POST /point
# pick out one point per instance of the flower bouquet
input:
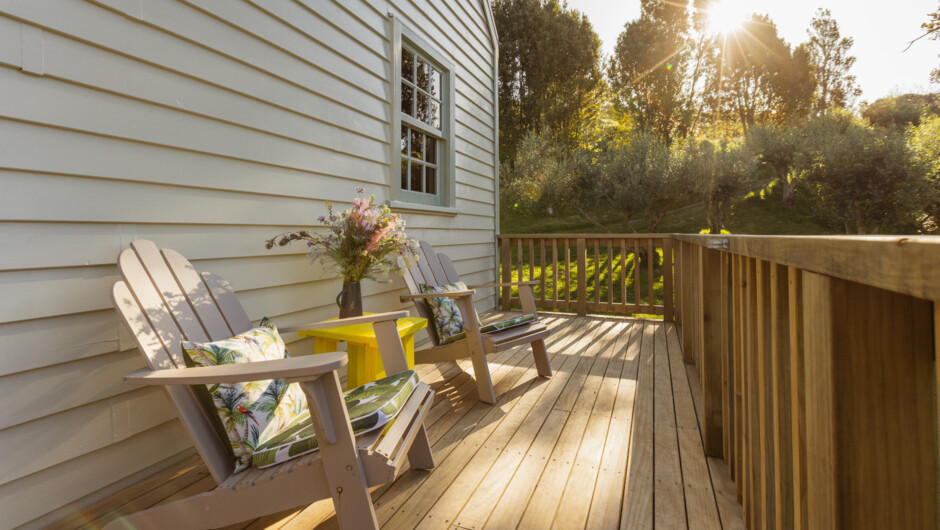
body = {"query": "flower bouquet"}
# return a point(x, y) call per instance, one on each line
point(363, 242)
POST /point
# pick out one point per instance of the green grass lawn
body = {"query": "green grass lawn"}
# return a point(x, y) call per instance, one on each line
point(758, 213)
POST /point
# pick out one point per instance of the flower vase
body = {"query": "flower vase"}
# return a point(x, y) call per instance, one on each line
point(349, 300)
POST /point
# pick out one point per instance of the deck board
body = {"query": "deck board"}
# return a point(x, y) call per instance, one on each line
point(612, 439)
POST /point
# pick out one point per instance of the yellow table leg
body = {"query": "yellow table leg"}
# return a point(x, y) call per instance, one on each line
point(321, 345)
point(358, 370)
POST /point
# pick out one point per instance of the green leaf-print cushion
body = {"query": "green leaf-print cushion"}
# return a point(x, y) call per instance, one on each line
point(371, 406)
point(447, 319)
point(249, 409)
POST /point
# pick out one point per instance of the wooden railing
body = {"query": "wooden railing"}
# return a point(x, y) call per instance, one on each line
point(600, 273)
point(817, 357)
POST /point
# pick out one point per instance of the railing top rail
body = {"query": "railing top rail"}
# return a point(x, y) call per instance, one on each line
point(630, 235)
point(904, 264)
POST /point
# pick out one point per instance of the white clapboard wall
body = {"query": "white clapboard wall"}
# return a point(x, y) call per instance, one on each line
point(206, 126)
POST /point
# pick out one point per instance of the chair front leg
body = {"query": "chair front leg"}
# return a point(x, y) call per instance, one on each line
point(527, 299)
point(481, 370)
point(341, 465)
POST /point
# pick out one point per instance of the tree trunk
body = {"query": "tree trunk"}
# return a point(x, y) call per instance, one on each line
point(584, 215)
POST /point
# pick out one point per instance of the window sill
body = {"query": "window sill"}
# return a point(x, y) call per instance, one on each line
point(400, 206)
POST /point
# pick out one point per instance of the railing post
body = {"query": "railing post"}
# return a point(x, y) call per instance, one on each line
point(582, 278)
point(709, 350)
point(506, 274)
point(870, 442)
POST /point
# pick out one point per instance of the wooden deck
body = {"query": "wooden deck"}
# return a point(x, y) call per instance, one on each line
point(612, 440)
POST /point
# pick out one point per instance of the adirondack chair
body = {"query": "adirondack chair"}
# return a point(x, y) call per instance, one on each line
point(164, 301)
point(433, 268)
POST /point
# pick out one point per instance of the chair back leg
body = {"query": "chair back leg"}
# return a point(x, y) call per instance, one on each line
point(481, 370)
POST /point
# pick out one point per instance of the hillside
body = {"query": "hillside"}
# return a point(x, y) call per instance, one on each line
point(750, 215)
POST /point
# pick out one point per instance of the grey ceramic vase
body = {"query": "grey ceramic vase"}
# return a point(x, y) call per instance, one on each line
point(349, 300)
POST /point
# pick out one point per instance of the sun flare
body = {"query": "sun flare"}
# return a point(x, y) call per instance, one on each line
point(726, 16)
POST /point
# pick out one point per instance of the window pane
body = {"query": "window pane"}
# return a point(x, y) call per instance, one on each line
point(435, 83)
point(404, 140)
point(423, 112)
point(435, 115)
point(407, 99)
point(430, 180)
point(416, 177)
point(404, 174)
point(417, 145)
point(430, 150)
point(407, 65)
point(424, 74)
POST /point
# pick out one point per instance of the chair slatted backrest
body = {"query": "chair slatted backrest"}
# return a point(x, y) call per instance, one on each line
point(163, 300)
point(430, 269)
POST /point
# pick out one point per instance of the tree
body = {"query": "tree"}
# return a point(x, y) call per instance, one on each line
point(549, 72)
point(866, 178)
point(932, 30)
point(642, 176)
point(544, 176)
point(900, 111)
point(781, 149)
point(658, 67)
point(721, 171)
point(648, 67)
point(829, 56)
point(924, 144)
point(757, 78)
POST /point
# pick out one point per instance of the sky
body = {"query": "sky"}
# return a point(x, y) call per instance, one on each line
point(881, 29)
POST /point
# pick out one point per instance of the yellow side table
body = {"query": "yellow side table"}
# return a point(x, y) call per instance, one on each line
point(365, 363)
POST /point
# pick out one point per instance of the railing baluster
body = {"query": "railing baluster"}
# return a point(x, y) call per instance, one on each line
point(531, 260)
point(668, 283)
point(798, 397)
point(555, 273)
point(520, 265)
point(542, 265)
point(623, 274)
point(506, 274)
point(651, 261)
point(780, 391)
point(636, 275)
point(582, 277)
point(597, 271)
point(610, 276)
point(567, 274)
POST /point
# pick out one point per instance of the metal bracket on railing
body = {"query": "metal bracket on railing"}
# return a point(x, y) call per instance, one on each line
point(719, 243)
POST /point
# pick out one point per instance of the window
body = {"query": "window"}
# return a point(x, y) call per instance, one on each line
point(423, 117)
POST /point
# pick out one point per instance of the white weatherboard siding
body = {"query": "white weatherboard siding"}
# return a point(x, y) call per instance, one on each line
point(206, 126)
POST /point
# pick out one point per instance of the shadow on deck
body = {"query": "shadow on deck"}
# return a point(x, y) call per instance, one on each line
point(612, 440)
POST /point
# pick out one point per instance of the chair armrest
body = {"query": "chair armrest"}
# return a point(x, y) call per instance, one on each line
point(306, 367)
point(503, 284)
point(448, 294)
point(365, 319)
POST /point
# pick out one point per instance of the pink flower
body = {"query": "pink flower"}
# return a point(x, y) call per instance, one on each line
point(377, 238)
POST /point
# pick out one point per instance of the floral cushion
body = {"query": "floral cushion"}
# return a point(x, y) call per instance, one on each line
point(249, 409)
point(371, 406)
point(447, 319)
point(508, 323)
